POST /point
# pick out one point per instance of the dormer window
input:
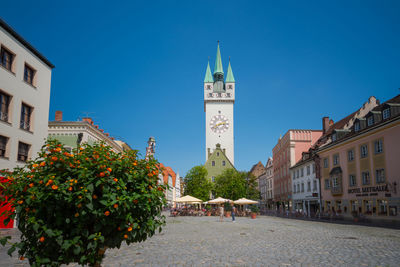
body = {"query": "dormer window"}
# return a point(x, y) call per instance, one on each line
point(386, 113)
point(357, 126)
point(334, 137)
point(230, 86)
point(208, 87)
point(370, 120)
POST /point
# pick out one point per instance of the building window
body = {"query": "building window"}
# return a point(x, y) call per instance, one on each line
point(334, 137)
point(6, 58)
point(302, 172)
point(364, 151)
point(357, 126)
point(4, 104)
point(298, 188)
point(352, 180)
point(368, 206)
point(327, 184)
point(313, 168)
point(26, 112)
point(308, 186)
point(223, 163)
point(380, 176)
point(378, 146)
point(308, 170)
point(382, 207)
point(325, 162)
point(302, 187)
point(350, 155)
point(294, 188)
point(23, 151)
point(213, 163)
point(28, 74)
point(209, 87)
point(217, 154)
point(229, 86)
point(315, 185)
point(354, 205)
point(370, 120)
point(213, 179)
point(294, 175)
point(386, 113)
point(210, 95)
point(335, 182)
point(335, 159)
point(3, 146)
point(365, 178)
point(297, 173)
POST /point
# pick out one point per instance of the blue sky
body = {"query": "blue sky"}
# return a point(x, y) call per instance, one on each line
point(137, 67)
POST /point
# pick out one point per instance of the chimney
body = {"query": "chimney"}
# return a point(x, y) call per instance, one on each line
point(88, 120)
point(330, 122)
point(325, 124)
point(58, 116)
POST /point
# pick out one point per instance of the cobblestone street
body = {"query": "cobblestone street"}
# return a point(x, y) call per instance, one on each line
point(265, 241)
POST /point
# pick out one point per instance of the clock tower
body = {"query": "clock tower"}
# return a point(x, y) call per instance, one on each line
point(219, 98)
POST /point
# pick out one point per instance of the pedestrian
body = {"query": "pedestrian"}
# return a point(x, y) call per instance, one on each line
point(221, 213)
point(233, 213)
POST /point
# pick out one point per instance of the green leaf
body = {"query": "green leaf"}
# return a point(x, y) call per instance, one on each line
point(36, 227)
point(67, 220)
point(3, 240)
point(90, 206)
point(49, 232)
point(11, 250)
point(6, 221)
point(77, 250)
point(90, 188)
point(103, 202)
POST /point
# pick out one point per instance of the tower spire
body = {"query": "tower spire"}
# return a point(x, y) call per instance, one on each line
point(229, 75)
point(218, 62)
point(208, 78)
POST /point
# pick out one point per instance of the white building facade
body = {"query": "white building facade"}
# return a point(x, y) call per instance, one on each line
point(25, 80)
point(306, 192)
point(219, 98)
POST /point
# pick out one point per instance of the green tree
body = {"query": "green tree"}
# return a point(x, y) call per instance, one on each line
point(230, 184)
point(197, 184)
point(73, 206)
point(252, 191)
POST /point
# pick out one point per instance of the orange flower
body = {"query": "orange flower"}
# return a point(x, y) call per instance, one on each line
point(149, 200)
point(107, 213)
point(81, 148)
point(102, 174)
point(115, 180)
point(58, 149)
point(135, 201)
point(115, 206)
point(150, 175)
point(109, 169)
point(134, 163)
point(79, 205)
point(70, 188)
point(147, 167)
point(94, 197)
point(76, 214)
point(54, 187)
point(31, 185)
point(41, 239)
point(126, 236)
point(54, 158)
point(20, 202)
point(51, 163)
point(129, 229)
point(42, 164)
point(66, 154)
point(40, 182)
point(22, 258)
point(35, 166)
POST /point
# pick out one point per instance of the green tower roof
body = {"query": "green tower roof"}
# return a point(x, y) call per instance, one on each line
point(229, 75)
point(218, 62)
point(208, 78)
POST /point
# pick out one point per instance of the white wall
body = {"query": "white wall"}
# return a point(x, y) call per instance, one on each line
point(226, 139)
point(38, 98)
point(306, 195)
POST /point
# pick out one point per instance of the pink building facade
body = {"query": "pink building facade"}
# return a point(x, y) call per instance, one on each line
point(286, 153)
point(360, 167)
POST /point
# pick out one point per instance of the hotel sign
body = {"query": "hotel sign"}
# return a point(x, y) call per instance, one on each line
point(370, 189)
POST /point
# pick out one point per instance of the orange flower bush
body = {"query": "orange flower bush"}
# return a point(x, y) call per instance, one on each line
point(79, 204)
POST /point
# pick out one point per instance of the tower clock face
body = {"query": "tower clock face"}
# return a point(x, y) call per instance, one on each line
point(219, 124)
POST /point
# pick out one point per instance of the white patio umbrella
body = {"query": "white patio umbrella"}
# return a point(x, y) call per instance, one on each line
point(219, 200)
point(189, 199)
point(244, 201)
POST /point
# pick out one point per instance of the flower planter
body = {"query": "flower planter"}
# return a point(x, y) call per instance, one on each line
point(227, 214)
point(253, 215)
point(208, 213)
